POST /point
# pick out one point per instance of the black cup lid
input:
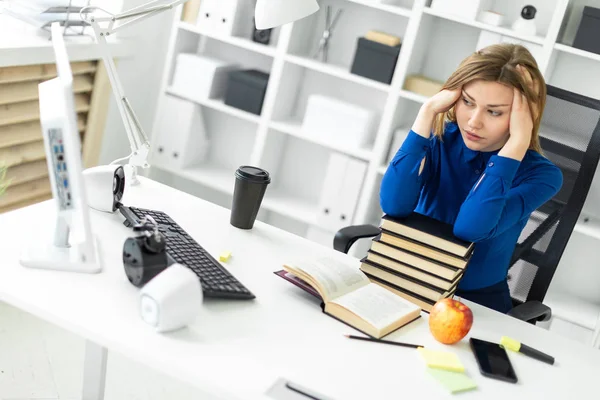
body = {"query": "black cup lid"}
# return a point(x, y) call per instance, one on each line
point(253, 174)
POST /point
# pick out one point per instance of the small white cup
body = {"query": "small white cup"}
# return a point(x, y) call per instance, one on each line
point(172, 299)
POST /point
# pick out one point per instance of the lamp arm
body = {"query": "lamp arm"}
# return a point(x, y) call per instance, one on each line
point(103, 26)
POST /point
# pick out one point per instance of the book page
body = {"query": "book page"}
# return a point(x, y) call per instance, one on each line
point(336, 277)
point(376, 305)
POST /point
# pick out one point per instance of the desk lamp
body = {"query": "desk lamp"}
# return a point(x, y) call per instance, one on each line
point(269, 14)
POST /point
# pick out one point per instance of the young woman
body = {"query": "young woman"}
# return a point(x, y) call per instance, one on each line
point(481, 169)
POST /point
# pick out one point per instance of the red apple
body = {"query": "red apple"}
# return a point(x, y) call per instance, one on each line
point(450, 321)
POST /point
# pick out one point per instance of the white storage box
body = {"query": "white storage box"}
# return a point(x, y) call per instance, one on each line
point(335, 121)
point(488, 38)
point(179, 138)
point(200, 77)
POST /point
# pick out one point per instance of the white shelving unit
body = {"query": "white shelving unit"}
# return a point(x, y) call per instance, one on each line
point(484, 26)
point(433, 44)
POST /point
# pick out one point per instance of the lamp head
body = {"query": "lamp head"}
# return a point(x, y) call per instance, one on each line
point(273, 13)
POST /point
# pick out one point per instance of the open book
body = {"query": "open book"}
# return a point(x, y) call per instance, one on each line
point(349, 296)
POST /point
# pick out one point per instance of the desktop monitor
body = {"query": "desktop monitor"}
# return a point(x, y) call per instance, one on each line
point(71, 246)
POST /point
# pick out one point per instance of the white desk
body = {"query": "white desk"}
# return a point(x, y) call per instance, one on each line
point(237, 349)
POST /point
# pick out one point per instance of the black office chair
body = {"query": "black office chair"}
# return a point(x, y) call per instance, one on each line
point(570, 138)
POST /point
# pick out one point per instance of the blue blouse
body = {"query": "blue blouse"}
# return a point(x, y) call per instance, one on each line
point(488, 198)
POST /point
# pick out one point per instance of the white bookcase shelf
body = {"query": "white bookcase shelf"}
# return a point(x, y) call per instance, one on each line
point(433, 44)
point(219, 105)
point(294, 128)
point(577, 52)
point(392, 9)
point(212, 176)
point(336, 71)
point(233, 40)
point(419, 98)
point(484, 26)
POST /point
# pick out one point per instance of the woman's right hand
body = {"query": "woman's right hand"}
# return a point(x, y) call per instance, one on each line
point(439, 103)
point(443, 100)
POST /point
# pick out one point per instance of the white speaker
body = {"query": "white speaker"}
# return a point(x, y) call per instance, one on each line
point(172, 299)
point(105, 186)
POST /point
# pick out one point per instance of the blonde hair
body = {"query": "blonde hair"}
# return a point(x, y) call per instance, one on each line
point(498, 63)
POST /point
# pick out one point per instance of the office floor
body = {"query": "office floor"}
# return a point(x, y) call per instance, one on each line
point(40, 361)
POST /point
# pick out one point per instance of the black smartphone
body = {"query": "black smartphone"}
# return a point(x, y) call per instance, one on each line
point(492, 360)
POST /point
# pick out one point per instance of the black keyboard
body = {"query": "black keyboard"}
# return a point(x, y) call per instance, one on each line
point(182, 248)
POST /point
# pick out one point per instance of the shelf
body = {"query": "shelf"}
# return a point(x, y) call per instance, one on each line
point(294, 128)
point(384, 7)
point(419, 98)
point(336, 71)
point(233, 40)
point(290, 206)
point(577, 52)
point(212, 176)
point(219, 105)
point(486, 27)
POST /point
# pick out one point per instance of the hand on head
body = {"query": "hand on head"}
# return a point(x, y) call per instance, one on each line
point(444, 100)
point(521, 116)
point(533, 86)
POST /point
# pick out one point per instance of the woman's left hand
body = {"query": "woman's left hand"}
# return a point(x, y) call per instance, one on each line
point(521, 116)
point(521, 122)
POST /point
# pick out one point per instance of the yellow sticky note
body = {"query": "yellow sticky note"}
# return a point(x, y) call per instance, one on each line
point(225, 256)
point(455, 382)
point(441, 360)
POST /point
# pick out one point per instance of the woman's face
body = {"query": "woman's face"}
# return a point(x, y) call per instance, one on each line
point(483, 115)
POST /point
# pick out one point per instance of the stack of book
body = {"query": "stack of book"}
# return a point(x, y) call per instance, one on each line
point(418, 258)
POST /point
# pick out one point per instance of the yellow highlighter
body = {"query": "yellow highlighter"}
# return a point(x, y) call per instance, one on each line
point(514, 345)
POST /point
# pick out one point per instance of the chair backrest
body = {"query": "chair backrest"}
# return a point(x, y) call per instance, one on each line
point(570, 138)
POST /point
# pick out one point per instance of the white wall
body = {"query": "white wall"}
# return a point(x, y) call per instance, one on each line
point(140, 76)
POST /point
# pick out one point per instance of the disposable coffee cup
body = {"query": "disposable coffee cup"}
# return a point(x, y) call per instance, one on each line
point(250, 186)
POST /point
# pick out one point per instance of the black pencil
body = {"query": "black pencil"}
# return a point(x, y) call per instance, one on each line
point(368, 339)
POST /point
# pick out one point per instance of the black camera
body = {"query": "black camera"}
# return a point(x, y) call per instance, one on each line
point(145, 256)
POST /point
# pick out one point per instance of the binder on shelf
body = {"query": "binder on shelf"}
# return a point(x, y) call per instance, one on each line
point(350, 193)
point(180, 136)
point(330, 193)
point(221, 17)
point(340, 192)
